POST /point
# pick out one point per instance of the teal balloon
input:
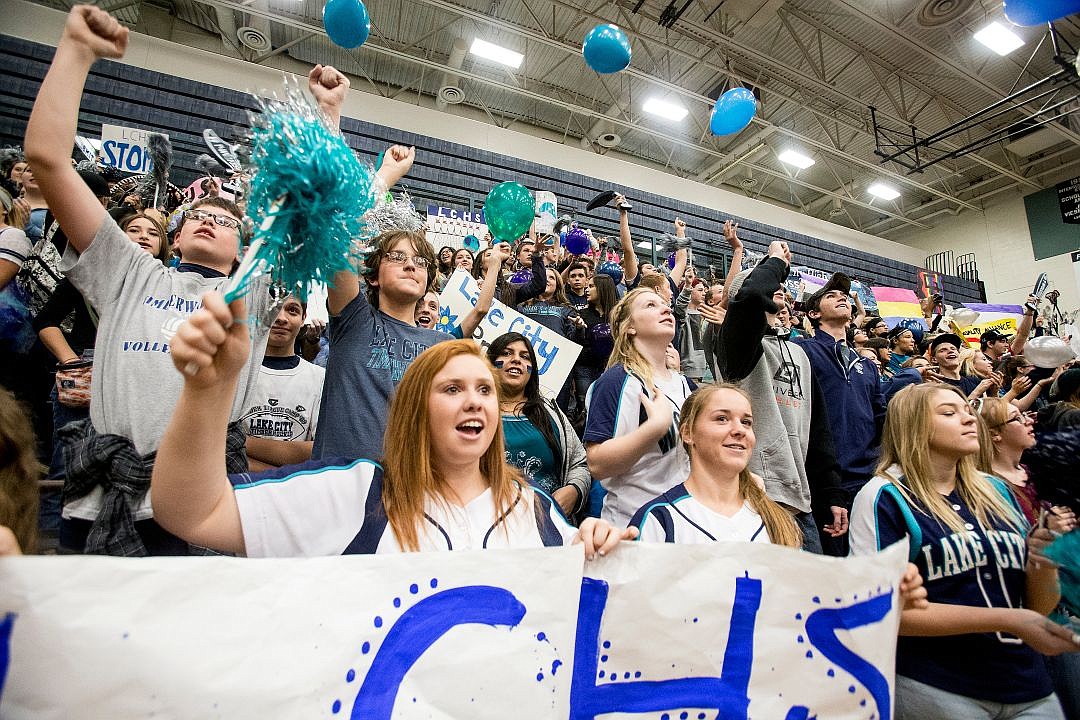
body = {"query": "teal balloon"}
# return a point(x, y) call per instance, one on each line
point(733, 111)
point(472, 243)
point(509, 211)
point(606, 49)
point(346, 22)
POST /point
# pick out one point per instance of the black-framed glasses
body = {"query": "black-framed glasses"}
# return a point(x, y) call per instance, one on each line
point(222, 220)
point(399, 258)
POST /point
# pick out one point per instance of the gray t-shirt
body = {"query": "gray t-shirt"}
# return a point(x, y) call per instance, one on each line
point(141, 303)
point(369, 352)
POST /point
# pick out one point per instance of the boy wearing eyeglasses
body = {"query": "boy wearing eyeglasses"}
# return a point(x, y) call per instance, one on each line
point(140, 305)
point(373, 331)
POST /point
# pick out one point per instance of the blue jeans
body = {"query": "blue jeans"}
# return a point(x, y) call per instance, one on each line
point(919, 701)
point(811, 541)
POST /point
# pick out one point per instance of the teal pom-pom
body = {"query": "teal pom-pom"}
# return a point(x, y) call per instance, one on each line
point(315, 190)
point(1065, 551)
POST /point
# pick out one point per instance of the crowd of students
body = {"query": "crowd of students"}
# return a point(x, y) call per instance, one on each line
point(695, 413)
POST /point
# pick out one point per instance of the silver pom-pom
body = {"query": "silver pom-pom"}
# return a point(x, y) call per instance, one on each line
point(394, 214)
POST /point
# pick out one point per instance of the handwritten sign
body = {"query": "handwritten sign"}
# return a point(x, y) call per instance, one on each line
point(555, 354)
point(125, 148)
point(731, 630)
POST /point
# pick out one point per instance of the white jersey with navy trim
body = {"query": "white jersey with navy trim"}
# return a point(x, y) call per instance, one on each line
point(614, 410)
point(678, 517)
point(334, 507)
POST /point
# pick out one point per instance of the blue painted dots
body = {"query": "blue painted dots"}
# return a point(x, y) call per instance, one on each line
point(434, 583)
point(336, 707)
point(541, 636)
point(683, 715)
point(601, 674)
point(862, 703)
point(701, 716)
point(800, 639)
point(831, 673)
point(809, 653)
point(626, 676)
point(695, 619)
point(555, 665)
point(378, 621)
point(603, 658)
point(851, 689)
point(665, 716)
point(607, 644)
point(637, 674)
point(414, 588)
point(798, 616)
point(397, 602)
point(816, 600)
point(350, 676)
point(539, 676)
point(365, 648)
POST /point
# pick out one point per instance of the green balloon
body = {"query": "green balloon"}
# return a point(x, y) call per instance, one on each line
point(509, 211)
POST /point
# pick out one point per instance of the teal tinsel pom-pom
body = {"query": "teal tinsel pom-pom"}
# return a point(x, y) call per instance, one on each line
point(316, 190)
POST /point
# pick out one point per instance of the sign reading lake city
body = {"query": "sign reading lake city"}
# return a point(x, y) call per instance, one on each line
point(729, 630)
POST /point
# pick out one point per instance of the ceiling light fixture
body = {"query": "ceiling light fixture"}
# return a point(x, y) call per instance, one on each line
point(999, 38)
point(664, 109)
point(496, 53)
point(883, 191)
point(795, 159)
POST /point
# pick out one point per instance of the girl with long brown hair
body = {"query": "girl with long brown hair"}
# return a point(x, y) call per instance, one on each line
point(974, 652)
point(720, 499)
point(443, 483)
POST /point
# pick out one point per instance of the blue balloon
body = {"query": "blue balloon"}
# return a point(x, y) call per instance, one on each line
point(346, 22)
point(612, 269)
point(1037, 12)
point(521, 277)
point(671, 261)
point(472, 243)
point(733, 111)
point(577, 242)
point(606, 49)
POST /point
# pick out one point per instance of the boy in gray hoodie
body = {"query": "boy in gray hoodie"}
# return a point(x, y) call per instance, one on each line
point(794, 452)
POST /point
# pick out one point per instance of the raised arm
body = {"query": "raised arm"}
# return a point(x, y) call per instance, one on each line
point(1023, 330)
point(492, 267)
point(629, 256)
point(190, 491)
point(89, 34)
point(731, 234)
point(681, 254)
point(329, 87)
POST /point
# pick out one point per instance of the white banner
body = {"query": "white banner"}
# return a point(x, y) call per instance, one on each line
point(731, 630)
point(555, 355)
point(125, 148)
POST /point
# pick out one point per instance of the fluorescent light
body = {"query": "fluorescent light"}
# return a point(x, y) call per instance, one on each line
point(883, 191)
point(999, 38)
point(666, 110)
point(496, 53)
point(796, 158)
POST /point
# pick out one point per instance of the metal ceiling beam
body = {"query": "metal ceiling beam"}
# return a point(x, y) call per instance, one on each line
point(689, 94)
point(372, 46)
point(941, 59)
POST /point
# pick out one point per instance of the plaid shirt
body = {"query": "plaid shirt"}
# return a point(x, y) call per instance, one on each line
point(111, 462)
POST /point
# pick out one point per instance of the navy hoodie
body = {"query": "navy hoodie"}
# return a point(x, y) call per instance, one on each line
point(855, 404)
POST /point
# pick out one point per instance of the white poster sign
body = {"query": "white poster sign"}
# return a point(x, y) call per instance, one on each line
point(125, 148)
point(547, 211)
point(555, 355)
point(730, 630)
